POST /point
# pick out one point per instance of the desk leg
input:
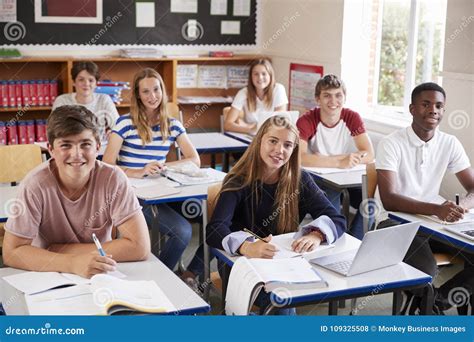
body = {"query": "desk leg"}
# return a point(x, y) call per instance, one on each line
point(426, 307)
point(346, 204)
point(155, 232)
point(225, 272)
point(397, 303)
point(207, 272)
point(213, 160)
point(226, 163)
point(333, 306)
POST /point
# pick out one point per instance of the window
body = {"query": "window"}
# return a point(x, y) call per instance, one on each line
point(409, 43)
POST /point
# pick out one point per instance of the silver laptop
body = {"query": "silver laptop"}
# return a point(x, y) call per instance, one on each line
point(379, 248)
point(466, 231)
point(263, 116)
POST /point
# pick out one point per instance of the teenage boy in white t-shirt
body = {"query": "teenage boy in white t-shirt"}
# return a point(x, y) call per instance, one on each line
point(334, 136)
point(70, 197)
point(411, 164)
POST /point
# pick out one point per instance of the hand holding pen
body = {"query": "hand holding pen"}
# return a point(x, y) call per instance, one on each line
point(90, 264)
point(258, 249)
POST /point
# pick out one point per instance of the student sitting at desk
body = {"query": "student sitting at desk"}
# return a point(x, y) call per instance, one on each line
point(411, 164)
point(139, 144)
point(67, 199)
point(262, 94)
point(268, 193)
point(85, 76)
point(334, 136)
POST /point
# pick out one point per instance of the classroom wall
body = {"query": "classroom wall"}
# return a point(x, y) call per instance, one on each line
point(307, 31)
point(458, 81)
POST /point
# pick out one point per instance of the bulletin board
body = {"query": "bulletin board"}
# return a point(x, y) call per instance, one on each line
point(128, 22)
point(303, 79)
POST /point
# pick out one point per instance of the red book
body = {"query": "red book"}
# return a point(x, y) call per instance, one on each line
point(12, 136)
point(53, 91)
point(40, 130)
point(25, 93)
point(18, 93)
point(221, 54)
point(3, 133)
point(3, 94)
point(33, 93)
point(39, 93)
point(22, 133)
point(30, 132)
point(46, 93)
point(11, 94)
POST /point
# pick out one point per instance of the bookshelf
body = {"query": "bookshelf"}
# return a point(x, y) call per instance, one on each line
point(200, 116)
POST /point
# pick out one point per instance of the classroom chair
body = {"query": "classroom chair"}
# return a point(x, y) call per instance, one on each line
point(176, 113)
point(17, 161)
point(225, 113)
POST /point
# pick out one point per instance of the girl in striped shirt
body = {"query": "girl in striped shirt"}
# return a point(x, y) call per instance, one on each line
point(139, 144)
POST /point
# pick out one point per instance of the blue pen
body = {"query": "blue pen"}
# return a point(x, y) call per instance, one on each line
point(98, 245)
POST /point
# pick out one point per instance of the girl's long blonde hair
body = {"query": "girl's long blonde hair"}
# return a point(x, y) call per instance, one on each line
point(137, 109)
point(249, 172)
point(268, 91)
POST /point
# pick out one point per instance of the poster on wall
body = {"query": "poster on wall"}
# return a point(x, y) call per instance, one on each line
point(71, 11)
point(303, 79)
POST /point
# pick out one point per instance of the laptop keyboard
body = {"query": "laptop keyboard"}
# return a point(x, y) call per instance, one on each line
point(342, 266)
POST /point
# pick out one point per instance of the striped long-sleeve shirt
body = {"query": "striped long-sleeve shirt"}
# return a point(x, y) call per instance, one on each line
point(133, 154)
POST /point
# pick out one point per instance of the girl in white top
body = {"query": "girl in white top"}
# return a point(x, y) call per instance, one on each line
point(85, 76)
point(262, 94)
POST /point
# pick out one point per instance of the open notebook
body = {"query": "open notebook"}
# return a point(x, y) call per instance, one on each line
point(283, 243)
point(104, 295)
point(249, 276)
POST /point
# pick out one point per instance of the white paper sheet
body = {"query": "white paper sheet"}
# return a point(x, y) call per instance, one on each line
point(145, 14)
point(230, 27)
point(184, 6)
point(241, 8)
point(218, 7)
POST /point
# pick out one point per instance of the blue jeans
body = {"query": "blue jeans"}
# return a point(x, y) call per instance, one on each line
point(173, 225)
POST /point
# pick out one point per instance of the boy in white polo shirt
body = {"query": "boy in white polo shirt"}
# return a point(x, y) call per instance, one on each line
point(70, 197)
point(334, 136)
point(411, 164)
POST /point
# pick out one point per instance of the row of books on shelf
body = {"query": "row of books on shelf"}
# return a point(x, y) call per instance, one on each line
point(22, 132)
point(113, 89)
point(14, 94)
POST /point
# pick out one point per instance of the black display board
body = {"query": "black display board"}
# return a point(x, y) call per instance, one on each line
point(119, 27)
